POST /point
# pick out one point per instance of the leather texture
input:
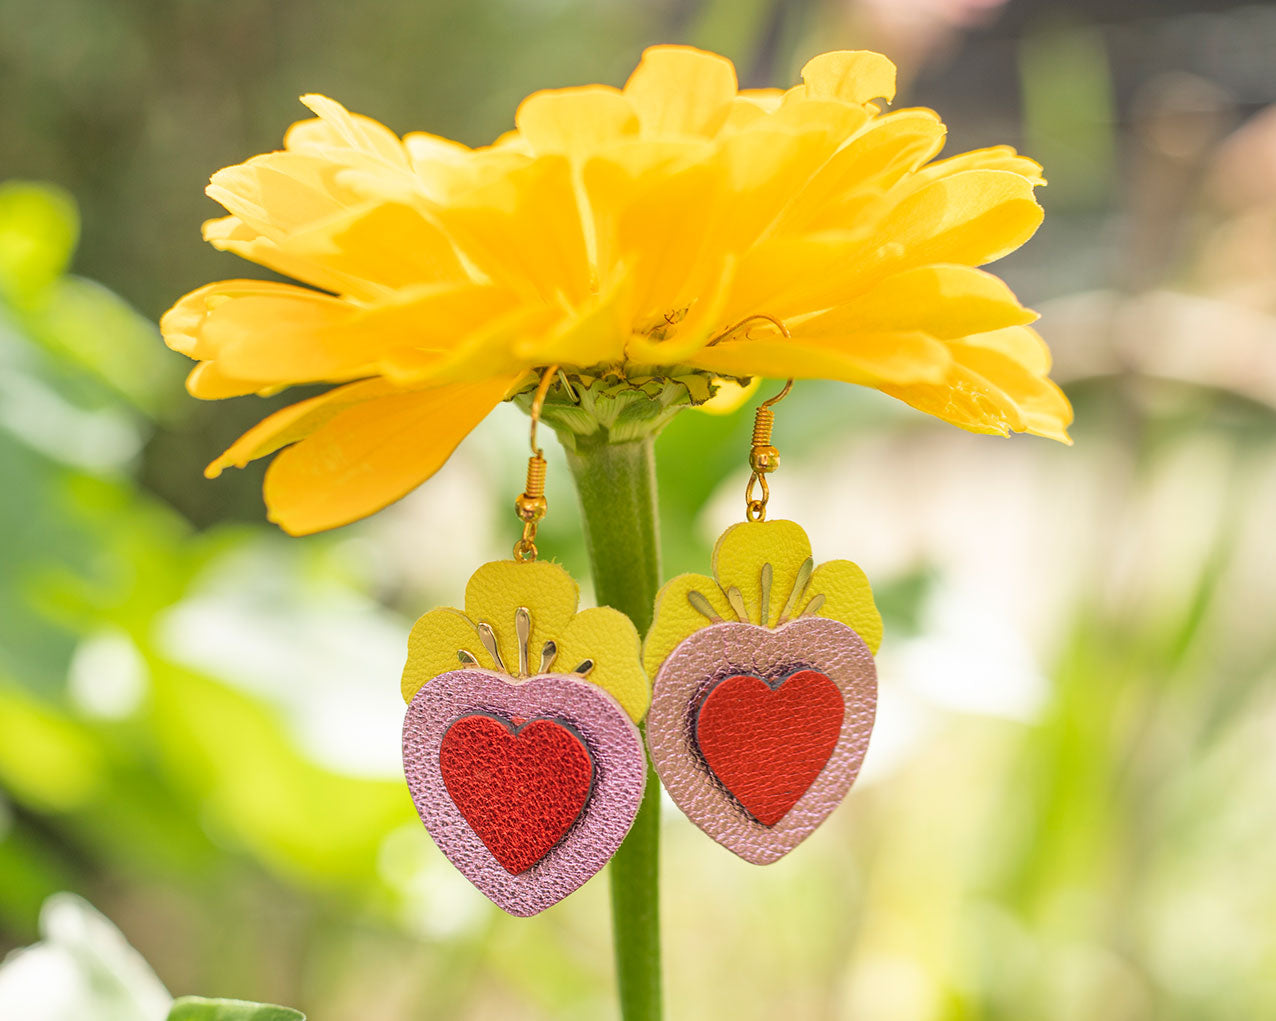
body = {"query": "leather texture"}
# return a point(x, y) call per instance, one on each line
point(609, 737)
point(719, 652)
point(520, 787)
point(767, 742)
point(493, 596)
point(738, 560)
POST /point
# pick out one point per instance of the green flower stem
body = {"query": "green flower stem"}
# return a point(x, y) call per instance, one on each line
point(617, 487)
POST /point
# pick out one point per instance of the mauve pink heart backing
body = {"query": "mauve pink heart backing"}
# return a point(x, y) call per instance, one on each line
point(721, 651)
point(620, 772)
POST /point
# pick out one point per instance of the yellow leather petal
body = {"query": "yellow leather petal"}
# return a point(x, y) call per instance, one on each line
point(493, 596)
point(855, 76)
point(609, 638)
point(743, 549)
point(433, 645)
point(497, 590)
point(675, 618)
point(848, 598)
point(373, 453)
point(739, 559)
point(679, 90)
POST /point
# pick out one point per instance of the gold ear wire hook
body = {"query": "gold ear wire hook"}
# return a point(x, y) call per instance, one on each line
point(532, 506)
point(764, 458)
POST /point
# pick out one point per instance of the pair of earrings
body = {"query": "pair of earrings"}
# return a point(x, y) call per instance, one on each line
point(521, 744)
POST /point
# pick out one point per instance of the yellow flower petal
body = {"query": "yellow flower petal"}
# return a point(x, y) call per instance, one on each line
point(689, 334)
point(293, 423)
point(864, 170)
point(1021, 343)
point(575, 122)
point(524, 230)
point(337, 127)
point(594, 335)
point(207, 382)
point(866, 359)
point(972, 217)
point(388, 245)
point(626, 229)
point(373, 453)
point(855, 76)
point(609, 638)
point(1042, 407)
point(307, 336)
point(941, 301)
point(678, 90)
point(996, 157)
point(662, 232)
point(433, 646)
point(182, 325)
point(987, 393)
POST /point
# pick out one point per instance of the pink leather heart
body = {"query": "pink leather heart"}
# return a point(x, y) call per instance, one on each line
point(721, 777)
point(532, 860)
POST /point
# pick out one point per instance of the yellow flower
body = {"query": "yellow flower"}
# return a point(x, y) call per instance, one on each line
point(618, 233)
point(763, 574)
point(600, 643)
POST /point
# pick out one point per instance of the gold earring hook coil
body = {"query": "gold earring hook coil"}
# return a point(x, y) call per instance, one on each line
point(532, 506)
point(764, 458)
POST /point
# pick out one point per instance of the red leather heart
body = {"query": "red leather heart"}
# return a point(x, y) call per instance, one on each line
point(519, 788)
point(768, 744)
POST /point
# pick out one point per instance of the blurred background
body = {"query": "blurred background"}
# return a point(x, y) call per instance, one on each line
point(1069, 807)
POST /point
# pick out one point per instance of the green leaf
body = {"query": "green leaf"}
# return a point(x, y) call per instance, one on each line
point(197, 1008)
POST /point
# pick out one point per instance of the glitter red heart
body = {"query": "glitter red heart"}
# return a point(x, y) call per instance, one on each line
point(766, 742)
point(521, 788)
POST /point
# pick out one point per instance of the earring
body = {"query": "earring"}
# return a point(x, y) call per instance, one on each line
point(765, 686)
point(524, 761)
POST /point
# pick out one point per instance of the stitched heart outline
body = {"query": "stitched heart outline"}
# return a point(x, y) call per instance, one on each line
point(720, 651)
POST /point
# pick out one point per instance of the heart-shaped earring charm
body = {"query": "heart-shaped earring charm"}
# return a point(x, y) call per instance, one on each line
point(765, 689)
point(527, 782)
